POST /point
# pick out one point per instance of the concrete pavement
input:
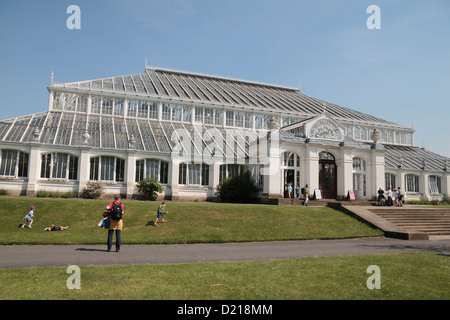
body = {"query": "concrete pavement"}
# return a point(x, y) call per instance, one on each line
point(23, 256)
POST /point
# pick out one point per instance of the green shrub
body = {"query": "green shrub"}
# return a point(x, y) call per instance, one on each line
point(150, 188)
point(56, 194)
point(93, 190)
point(3, 192)
point(241, 188)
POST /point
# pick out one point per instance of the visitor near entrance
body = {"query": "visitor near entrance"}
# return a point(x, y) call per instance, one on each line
point(306, 195)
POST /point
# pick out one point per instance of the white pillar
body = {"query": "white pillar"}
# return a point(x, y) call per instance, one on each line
point(84, 169)
point(33, 172)
point(344, 173)
point(130, 174)
point(173, 177)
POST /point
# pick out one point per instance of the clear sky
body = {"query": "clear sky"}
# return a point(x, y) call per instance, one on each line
point(400, 72)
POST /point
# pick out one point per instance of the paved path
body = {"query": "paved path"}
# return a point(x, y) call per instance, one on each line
point(21, 256)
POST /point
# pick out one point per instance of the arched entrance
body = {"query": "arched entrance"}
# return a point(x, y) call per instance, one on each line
point(327, 175)
point(291, 173)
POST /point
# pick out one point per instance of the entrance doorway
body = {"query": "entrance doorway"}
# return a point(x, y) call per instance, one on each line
point(359, 178)
point(291, 173)
point(327, 175)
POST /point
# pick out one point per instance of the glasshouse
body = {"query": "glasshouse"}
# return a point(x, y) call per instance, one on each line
point(189, 131)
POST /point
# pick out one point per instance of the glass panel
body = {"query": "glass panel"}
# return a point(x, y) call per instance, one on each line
point(194, 173)
point(23, 164)
point(70, 101)
point(96, 103)
point(73, 168)
point(65, 129)
point(107, 168)
point(18, 130)
point(118, 107)
point(132, 108)
point(205, 174)
point(59, 166)
point(121, 134)
point(107, 133)
point(164, 174)
point(143, 109)
point(45, 165)
point(120, 170)
point(94, 168)
point(326, 156)
point(139, 170)
point(152, 169)
point(82, 103)
point(8, 163)
point(182, 173)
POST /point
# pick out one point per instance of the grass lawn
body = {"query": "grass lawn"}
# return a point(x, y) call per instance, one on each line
point(186, 222)
point(404, 276)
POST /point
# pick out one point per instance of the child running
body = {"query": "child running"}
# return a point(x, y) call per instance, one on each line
point(161, 213)
point(29, 217)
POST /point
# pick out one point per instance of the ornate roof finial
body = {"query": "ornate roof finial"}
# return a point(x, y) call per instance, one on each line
point(52, 76)
point(146, 65)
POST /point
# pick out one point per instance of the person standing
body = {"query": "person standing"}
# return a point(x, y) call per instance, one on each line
point(400, 197)
point(389, 197)
point(117, 210)
point(306, 195)
point(297, 192)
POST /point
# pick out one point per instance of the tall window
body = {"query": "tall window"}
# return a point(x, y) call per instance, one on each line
point(193, 174)
point(389, 179)
point(59, 166)
point(230, 170)
point(14, 163)
point(107, 169)
point(154, 169)
point(434, 184)
point(411, 183)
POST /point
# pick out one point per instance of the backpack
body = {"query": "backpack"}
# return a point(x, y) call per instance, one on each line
point(116, 211)
point(303, 190)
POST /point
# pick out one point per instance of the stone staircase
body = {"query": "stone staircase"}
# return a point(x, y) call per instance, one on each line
point(324, 202)
point(433, 221)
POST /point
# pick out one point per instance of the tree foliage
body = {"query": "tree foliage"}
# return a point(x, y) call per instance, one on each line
point(150, 187)
point(241, 188)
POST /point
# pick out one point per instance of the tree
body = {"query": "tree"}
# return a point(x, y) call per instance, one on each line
point(241, 188)
point(150, 187)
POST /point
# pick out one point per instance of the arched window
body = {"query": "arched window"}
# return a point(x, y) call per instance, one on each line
point(155, 169)
point(107, 169)
point(14, 163)
point(193, 174)
point(59, 166)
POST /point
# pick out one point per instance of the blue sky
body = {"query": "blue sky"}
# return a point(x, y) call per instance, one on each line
point(400, 72)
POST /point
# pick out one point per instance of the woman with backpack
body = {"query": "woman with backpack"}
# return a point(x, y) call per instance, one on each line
point(116, 211)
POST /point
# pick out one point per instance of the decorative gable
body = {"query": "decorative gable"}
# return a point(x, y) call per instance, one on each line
point(319, 127)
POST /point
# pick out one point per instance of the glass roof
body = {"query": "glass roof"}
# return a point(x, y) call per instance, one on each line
point(118, 133)
point(181, 86)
